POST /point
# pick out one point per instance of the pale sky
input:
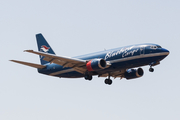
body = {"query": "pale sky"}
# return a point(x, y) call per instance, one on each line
point(77, 27)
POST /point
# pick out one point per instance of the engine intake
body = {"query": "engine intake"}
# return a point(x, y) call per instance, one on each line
point(133, 73)
point(96, 64)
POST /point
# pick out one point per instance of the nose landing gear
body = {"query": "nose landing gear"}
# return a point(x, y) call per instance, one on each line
point(151, 69)
point(153, 64)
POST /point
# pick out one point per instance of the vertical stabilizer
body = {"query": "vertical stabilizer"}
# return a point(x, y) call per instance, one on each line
point(43, 46)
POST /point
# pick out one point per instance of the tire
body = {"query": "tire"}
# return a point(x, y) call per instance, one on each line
point(151, 69)
point(108, 81)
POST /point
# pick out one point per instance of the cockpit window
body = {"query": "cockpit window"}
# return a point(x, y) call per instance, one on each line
point(159, 46)
point(155, 47)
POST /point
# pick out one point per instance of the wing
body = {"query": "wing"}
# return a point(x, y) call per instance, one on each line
point(77, 64)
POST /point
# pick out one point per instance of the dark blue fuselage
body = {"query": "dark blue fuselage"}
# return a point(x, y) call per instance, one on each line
point(120, 58)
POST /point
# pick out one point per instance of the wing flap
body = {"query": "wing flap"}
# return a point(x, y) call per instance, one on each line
point(29, 64)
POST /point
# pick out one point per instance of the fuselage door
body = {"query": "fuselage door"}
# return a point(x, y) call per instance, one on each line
point(142, 48)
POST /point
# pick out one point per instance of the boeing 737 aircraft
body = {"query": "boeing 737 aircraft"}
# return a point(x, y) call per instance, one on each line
point(119, 62)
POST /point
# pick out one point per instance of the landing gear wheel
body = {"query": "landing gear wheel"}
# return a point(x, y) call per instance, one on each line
point(88, 77)
point(108, 81)
point(151, 69)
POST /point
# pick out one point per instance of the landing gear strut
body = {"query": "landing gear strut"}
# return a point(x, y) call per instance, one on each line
point(108, 81)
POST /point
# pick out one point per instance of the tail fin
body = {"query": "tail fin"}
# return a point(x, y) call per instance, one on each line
point(43, 46)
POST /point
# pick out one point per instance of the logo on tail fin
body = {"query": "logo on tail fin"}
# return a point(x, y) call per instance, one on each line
point(45, 48)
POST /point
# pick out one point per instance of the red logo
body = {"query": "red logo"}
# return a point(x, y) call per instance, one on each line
point(45, 48)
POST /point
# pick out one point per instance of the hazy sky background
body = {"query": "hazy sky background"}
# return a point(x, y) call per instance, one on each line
point(76, 27)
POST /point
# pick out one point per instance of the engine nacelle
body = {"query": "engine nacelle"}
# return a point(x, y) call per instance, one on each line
point(133, 73)
point(96, 64)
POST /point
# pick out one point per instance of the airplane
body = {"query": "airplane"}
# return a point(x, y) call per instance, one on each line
point(123, 62)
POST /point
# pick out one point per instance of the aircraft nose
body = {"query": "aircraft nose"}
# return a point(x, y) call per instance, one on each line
point(165, 51)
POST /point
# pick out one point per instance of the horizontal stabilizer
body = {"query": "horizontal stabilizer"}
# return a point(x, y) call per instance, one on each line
point(29, 64)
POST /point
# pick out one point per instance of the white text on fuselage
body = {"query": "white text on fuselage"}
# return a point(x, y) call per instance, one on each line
point(124, 51)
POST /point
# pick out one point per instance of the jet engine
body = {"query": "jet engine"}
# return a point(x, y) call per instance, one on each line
point(96, 64)
point(133, 73)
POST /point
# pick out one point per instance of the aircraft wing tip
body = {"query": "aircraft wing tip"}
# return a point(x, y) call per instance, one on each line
point(28, 50)
point(12, 60)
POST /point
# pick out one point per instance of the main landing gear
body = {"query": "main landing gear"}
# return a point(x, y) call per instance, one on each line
point(88, 77)
point(108, 81)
